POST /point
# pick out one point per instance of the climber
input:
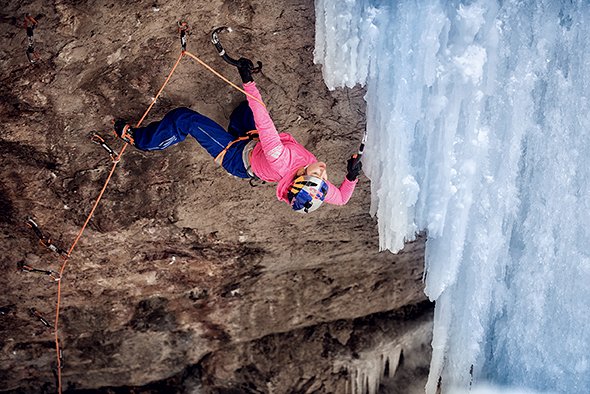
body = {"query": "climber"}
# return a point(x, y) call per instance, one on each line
point(251, 148)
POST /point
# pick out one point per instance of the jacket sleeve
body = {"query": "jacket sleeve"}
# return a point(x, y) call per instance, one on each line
point(269, 137)
point(340, 195)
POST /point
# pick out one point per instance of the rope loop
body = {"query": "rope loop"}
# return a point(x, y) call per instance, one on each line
point(89, 217)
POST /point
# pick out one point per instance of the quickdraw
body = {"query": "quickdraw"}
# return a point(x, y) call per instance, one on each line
point(34, 313)
point(184, 31)
point(30, 23)
point(27, 268)
point(217, 43)
point(43, 240)
point(97, 139)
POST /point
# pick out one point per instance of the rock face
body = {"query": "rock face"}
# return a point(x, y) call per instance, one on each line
point(185, 276)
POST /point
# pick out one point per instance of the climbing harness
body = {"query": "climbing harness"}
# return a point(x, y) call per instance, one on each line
point(27, 268)
point(247, 159)
point(97, 139)
point(183, 31)
point(250, 135)
point(30, 23)
point(34, 313)
point(217, 43)
point(43, 240)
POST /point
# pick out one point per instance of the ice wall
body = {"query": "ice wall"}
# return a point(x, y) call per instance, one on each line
point(478, 118)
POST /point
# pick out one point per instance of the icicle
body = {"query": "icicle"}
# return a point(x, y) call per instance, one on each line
point(368, 370)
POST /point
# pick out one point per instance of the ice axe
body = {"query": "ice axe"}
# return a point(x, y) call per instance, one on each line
point(215, 40)
point(357, 156)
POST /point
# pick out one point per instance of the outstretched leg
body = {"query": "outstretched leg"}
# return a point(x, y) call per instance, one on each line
point(179, 123)
point(174, 128)
point(161, 134)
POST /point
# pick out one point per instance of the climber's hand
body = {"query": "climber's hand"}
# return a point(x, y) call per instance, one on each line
point(353, 168)
point(245, 67)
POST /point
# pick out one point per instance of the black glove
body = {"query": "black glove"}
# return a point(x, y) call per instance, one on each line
point(245, 67)
point(354, 167)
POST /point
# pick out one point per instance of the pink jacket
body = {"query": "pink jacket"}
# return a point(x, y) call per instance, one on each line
point(277, 157)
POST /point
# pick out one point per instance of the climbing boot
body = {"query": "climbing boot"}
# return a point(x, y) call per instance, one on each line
point(124, 131)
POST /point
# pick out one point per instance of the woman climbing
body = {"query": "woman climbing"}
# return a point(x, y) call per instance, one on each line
point(251, 148)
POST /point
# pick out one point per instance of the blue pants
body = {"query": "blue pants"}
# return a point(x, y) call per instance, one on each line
point(180, 122)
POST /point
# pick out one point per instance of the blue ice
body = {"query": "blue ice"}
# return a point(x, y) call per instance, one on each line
point(478, 120)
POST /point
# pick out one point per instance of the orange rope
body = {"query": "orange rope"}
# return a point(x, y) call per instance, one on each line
point(65, 262)
point(223, 78)
point(161, 89)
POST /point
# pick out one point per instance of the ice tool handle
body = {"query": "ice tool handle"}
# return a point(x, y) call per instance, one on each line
point(357, 156)
point(43, 239)
point(217, 43)
point(363, 142)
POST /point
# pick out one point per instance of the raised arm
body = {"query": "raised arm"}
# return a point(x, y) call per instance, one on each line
point(269, 137)
point(341, 195)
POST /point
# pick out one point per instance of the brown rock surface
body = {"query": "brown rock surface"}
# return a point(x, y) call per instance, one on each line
point(183, 268)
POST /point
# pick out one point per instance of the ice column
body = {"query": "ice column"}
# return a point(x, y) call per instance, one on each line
point(478, 116)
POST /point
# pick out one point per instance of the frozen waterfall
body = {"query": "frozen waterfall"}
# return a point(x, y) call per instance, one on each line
point(478, 120)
